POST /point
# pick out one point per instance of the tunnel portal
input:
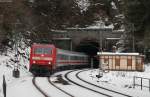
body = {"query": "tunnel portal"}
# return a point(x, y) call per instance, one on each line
point(90, 47)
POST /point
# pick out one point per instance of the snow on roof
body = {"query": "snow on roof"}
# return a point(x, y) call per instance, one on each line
point(111, 53)
point(100, 24)
point(112, 38)
point(88, 28)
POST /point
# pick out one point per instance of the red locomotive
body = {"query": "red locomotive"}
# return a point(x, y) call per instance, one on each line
point(47, 58)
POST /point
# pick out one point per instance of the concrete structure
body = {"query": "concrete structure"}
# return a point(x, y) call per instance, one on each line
point(76, 36)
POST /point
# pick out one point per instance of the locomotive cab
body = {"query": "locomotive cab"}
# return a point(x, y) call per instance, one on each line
point(42, 58)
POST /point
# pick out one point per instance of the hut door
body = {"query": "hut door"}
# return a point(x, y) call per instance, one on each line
point(129, 62)
point(117, 62)
point(139, 64)
point(106, 63)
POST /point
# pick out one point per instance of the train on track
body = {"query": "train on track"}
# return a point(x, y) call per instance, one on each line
point(47, 58)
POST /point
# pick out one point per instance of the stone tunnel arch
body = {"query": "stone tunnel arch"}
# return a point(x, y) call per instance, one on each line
point(85, 39)
point(90, 47)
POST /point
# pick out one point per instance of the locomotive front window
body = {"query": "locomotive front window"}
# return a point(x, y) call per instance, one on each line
point(38, 51)
point(42, 51)
point(47, 51)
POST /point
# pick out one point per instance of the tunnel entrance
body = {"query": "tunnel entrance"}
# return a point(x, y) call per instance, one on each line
point(90, 47)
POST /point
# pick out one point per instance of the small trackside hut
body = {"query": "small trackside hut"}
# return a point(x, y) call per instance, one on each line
point(121, 61)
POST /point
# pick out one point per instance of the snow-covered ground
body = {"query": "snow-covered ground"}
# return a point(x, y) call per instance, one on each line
point(121, 81)
point(7, 66)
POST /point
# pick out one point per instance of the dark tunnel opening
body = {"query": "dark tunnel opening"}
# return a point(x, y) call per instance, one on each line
point(90, 48)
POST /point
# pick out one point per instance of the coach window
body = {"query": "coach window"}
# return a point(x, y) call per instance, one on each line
point(79, 58)
point(59, 56)
point(83, 58)
point(71, 57)
point(75, 58)
point(63, 57)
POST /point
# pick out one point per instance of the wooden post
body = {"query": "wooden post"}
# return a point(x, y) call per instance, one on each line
point(141, 83)
point(134, 82)
point(149, 84)
point(4, 86)
point(91, 63)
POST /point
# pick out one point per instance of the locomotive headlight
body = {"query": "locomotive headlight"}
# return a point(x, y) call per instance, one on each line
point(49, 62)
point(34, 62)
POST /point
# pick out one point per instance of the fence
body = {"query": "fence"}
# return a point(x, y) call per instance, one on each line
point(142, 81)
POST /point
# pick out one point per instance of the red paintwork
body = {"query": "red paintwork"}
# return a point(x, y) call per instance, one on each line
point(43, 62)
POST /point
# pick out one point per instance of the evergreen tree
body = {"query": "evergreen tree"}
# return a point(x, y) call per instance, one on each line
point(137, 12)
point(57, 14)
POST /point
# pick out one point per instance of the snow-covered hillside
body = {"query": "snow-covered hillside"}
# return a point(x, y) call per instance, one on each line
point(83, 4)
point(7, 64)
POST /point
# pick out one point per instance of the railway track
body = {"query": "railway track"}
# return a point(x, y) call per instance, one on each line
point(59, 88)
point(72, 81)
point(43, 91)
point(78, 81)
point(95, 88)
point(38, 88)
point(122, 94)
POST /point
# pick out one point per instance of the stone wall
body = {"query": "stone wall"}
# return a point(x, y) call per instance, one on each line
point(76, 36)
